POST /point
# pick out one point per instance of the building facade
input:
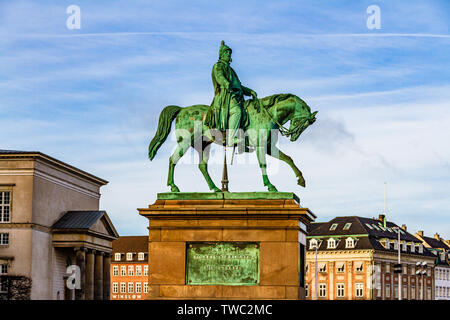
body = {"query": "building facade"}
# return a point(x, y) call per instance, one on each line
point(355, 260)
point(50, 221)
point(129, 268)
point(441, 249)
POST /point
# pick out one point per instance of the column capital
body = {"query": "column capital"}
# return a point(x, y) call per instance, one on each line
point(84, 249)
point(100, 253)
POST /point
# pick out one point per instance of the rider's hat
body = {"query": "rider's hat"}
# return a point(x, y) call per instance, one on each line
point(223, 48)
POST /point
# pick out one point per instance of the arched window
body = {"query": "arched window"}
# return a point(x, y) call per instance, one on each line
point(349, 243)
point(331, 243)
point(312, 244)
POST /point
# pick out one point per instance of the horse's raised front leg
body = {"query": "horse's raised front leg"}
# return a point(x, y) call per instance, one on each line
point(277, 153)
point(261, 154)
point(203, 166)
point(177, 154)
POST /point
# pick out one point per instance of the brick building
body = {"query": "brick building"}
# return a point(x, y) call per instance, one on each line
point(129, 268)
point(356, 257)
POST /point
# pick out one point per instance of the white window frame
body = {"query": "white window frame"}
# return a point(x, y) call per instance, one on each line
point(130, 287)
point(138, 271)
point(347, 226)
point(5, 208)
point(130, 271)
point(129, 256)
point(141, 256)
point(333, 226)
point(117, 256)
point(312, 244)
point(349, 243)
point(115, 287)
point(138, 287)
point(322, 290)
point(340, 290)
point(123, 271)
point(145, 287)
point(145, 270)
point(331, 243)
point(359, 290)
point(3, 268)
point(116, 271)
point(123, 287)
point(4, 239)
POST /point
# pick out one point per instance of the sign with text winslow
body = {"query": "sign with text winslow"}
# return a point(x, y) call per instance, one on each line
point(222, 263)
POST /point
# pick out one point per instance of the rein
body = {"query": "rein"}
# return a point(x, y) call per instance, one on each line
point(283, 130)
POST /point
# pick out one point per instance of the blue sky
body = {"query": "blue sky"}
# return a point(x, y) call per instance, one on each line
point(91, 97)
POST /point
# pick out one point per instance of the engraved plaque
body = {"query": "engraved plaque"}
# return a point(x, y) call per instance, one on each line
point(226, 263)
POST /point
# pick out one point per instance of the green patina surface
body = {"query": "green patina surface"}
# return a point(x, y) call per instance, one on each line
point(226, 196)
point(222, 263)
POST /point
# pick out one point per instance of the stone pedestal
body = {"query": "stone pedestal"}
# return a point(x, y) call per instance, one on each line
point(273, 223)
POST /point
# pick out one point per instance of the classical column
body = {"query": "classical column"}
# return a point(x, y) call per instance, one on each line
point(90, 275)
point(350, 280)
point(98, 276)
point(106, 276)
point(383, 281)
point(331, 281)
point(80, 261)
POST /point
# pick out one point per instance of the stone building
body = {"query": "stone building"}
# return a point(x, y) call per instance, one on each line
point(129, 268)
point(49, 221)
point(355, 261)
point(441, 249)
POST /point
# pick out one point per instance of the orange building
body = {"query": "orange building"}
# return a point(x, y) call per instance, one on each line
point(129, 268)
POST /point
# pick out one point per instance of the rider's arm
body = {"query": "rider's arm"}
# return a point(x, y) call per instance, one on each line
point(219, 73)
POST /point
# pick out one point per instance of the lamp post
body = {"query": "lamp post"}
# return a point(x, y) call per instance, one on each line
point(421, 270)
point(399, 265)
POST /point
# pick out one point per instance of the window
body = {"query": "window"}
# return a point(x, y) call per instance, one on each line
point(117, 256)
point(350, 243)
point(412, 247)
point(3, 285)
point(145, 270)
point(312, 244)
point(381, 227)
point(388, 290)
point(429, 293)
point(307, 268)
point(4, 239)
point(333, 226)
point(3, 269)
point(369, 226)
point(396, 291)
point(141, 256)
point(130, 287)
point(115, 271)
point(389, 229)
point(145, 287)
point(307, 290)
point(322, 290)
point(138, 287)
point(5, 206)
point(340, 267)
point(359, 267)
point(331, 243)
point(347, 226)
point(404, 246)
point(404, 293)
point(375, 226)
point(131, 270)
point(420, 248)
point(115, 287)
point(413, 292)
point(129, 256)
point(139, 270)
point(123, 287)
point(340, 290)
point(322, 267)
point(388, 268)
point(359, 290)
point(123, 271)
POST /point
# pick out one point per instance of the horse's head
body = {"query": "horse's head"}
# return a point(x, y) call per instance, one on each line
point(301, 119)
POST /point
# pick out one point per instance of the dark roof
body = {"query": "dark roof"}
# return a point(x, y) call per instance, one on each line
point(78, 219)
point(435, 243)
point(366, 237)
point(130, 244)
point(15, 151)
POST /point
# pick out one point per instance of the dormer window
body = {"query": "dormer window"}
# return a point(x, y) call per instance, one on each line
point(313, 243)
point(331, 243)
point(117, 256)
point(369, 226)
point(375, 226)
point(413, 247)
point(141, 256)
point(395, 245)
point(129, 256)
point(350, 243)
point(403, 246)
point(333, 226)
point(347, 226)
point(420, 248)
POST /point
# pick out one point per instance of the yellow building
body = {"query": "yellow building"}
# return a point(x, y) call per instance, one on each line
point(355, 260)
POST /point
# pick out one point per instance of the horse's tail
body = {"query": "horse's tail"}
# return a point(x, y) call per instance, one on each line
point(165, 123)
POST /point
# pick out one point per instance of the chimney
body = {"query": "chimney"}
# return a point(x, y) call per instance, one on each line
point(436, 236)
point(404, 227)
point(381, 217)
point(420, 233)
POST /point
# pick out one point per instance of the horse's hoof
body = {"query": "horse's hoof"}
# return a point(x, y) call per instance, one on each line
point(174, 189)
